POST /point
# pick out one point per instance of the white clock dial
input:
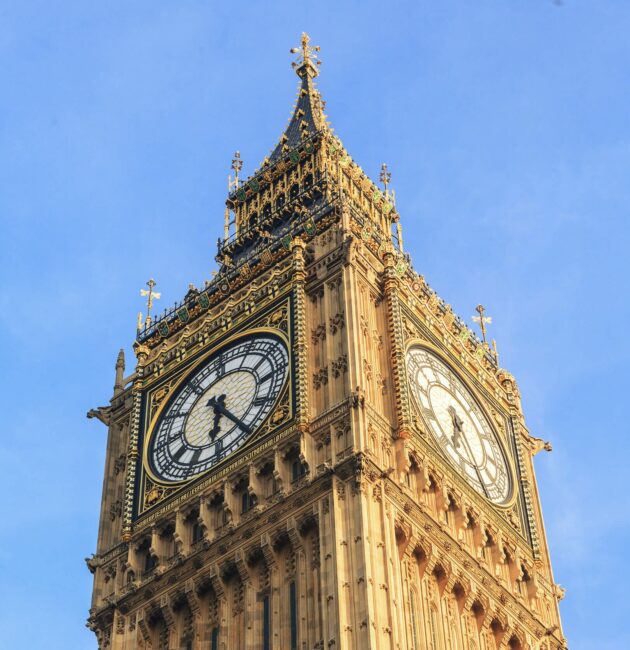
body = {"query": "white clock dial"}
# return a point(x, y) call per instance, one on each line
point(453, 416)
point(218, 407)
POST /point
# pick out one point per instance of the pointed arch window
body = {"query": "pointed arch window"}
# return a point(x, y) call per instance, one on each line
point(266, 623)
point(293, 614)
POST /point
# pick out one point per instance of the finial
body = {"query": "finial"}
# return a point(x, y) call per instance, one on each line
point(119, 384)
point(496, 352)
point(309, 59)
point(151, 296)
point(385, 177)
point(237, 165)
point(482, 320)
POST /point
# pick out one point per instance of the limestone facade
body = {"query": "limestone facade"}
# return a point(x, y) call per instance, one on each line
point(340, 524)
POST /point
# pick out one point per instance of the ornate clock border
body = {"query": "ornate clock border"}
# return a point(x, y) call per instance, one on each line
point(146, 500)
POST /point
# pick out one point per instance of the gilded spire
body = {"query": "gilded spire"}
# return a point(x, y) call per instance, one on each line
point(308, 115)
point(309, 60)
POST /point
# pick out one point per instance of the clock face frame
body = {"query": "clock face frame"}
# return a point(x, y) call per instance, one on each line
point(217, 406)
point(455, 418)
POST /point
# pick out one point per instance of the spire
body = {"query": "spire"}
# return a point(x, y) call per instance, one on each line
point(119, 384)
point(308, 116)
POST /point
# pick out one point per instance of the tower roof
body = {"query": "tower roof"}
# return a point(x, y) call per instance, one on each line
point(308, 115)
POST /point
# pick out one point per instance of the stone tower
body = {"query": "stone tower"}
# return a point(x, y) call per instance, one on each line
point(314, 451)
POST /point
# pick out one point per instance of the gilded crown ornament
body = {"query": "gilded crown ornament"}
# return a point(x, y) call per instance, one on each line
point(309, 53)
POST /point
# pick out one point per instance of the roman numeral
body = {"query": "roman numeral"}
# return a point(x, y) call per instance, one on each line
point(194, 386)
point(260, 401)
point(179, 453)
point(220, 365)
point(173, 415)
point(268, 376)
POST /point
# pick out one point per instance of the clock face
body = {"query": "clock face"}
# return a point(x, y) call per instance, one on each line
point(454, 417)
point(218, 407)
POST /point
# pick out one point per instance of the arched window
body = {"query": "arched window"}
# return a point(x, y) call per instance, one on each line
point(293, 615)
point(197, 532)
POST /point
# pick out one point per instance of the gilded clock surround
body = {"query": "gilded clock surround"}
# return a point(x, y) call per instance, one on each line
point(499, 417)
point(276, 321)
point(341, 524)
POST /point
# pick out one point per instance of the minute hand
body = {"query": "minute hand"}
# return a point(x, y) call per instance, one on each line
point(228, 414)
point(474, 464)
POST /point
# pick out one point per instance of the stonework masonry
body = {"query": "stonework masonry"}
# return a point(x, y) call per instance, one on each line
point(340, 523)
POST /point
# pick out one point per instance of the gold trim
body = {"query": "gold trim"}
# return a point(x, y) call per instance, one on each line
point(150, 428)
point(417, 342)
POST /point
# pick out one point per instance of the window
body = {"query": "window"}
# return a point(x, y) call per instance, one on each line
point(214, 638)
point(293, 613)
point(266, 623)
point(150, 562)
point(248, 501)
point(197, 532)
point(297, 470)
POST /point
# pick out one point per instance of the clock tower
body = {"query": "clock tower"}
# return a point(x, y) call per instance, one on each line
point(313, 451)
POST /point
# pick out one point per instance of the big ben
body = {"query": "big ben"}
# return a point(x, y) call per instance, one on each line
point(313, 451)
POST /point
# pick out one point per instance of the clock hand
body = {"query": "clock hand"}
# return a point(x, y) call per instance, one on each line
point(214, 402)
point(219, 409)
point(239, 423)
point(458, 432)
point(458, 426)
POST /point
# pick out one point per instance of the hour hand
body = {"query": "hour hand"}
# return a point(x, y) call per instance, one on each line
point(217, 404)
point(219, 407)
point(458, 426)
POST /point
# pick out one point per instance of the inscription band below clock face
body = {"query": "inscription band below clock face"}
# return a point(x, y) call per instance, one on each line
point(453, 416)
point(218, 407)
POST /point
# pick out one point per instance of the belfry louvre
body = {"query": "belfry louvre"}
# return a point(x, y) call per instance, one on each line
point(313, 451)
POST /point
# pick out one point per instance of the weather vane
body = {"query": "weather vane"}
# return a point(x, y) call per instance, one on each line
point(308, 52)
point(151, 296)
point(482, 320)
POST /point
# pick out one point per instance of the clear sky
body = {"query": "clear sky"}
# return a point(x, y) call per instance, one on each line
point(505, 124)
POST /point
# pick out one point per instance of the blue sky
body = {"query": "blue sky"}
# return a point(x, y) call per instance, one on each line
point(505, 126)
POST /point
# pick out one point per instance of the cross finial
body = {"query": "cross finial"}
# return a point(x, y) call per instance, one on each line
point(151, 296)
point(309, 59)
point(385, 177)
point(482, 320)
point(237, 165)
